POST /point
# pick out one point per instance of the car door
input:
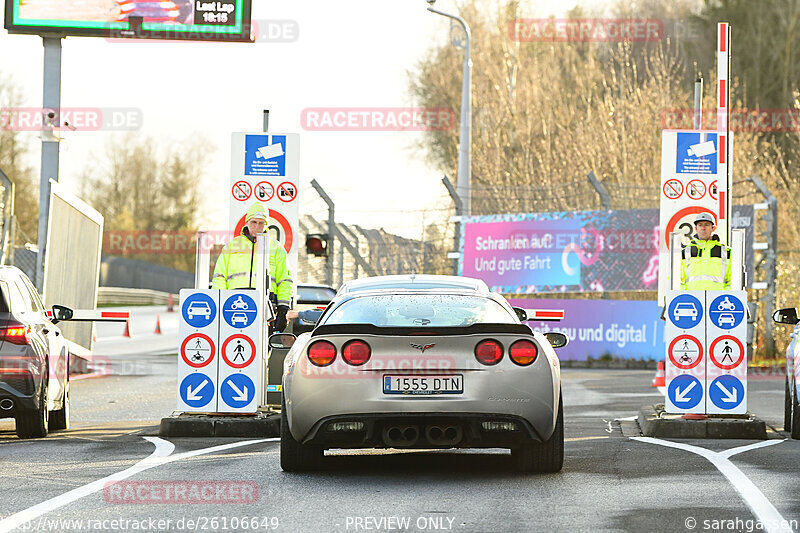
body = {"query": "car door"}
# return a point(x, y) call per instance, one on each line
point(56, 346)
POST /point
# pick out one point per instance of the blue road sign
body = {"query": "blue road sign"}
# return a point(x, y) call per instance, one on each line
point(685, 391)
point(199, 310)
point(237, 390)
point(726, 392)
point(726, 311)
point(196, 390)
point(685, 311)
point(265, 155)
point(695, 155)
point(239, 311)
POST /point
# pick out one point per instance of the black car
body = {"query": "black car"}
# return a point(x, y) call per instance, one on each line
point(34, 360)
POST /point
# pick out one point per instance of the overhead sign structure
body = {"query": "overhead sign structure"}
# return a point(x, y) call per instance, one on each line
point(706, 369)
point(198, 332)
point(691, 171)
point(240, 339)
point(270, 165)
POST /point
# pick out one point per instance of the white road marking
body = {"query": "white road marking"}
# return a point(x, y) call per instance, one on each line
point(160, 456)
point(742, 449)
point(761, 507)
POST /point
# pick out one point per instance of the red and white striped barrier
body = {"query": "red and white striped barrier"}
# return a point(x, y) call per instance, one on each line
point(92, 315)
point(548, 315)
point(723, 119)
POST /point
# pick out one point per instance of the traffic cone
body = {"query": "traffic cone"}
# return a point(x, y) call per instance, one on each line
point(158, 325)
point(659, 379)
point(127, 332)
point(170, 305)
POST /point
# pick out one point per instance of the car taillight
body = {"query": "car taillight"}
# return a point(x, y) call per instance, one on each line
point(489, 352)
point(16, 334)
point(356, 352)
point(523, 352)
point(322, 353)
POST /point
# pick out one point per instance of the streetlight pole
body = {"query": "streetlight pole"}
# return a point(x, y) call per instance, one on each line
point(464, 179)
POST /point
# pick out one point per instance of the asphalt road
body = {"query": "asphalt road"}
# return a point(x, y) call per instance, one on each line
point(610, 482)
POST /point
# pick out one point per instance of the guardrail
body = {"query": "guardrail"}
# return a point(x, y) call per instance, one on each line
point(125, 296)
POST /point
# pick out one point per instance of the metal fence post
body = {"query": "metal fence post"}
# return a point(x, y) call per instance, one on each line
point(771, 266)
point(457, 227)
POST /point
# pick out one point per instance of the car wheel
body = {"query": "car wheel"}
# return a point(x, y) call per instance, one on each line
point(787, 408)
point(796, 415)
point(59, 419)
point(546, 456)
point(34, 423)
point(296, 457)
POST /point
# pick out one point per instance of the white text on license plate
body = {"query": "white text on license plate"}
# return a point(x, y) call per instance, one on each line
point(423, 384)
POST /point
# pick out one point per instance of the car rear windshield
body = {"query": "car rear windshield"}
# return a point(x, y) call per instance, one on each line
point(314, 295)
point(419, 310)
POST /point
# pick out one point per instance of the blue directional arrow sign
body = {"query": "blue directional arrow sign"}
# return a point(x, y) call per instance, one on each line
point(685, 391)
point(199, 310)
point(685, 311)
point(726, 311)
point(726, 392)
point(197, 390)
point(239, 310)
point(237, 390)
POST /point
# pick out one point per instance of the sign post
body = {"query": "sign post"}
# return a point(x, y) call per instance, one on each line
point(706, 370)
point(266, 168)
point(685, 336)
point(693, 166)
point(198, 359)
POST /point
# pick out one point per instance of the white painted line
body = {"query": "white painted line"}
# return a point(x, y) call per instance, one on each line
point(742, 449)
point(761, 507)
point(160, 456)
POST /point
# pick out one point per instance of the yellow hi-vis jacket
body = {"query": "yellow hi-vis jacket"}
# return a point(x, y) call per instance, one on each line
point(705, 265)
point(233, 268)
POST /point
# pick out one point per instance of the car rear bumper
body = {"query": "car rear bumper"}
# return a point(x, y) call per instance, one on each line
point(422, 430)
point(19, 400)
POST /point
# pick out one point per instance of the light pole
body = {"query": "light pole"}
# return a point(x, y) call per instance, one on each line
point(464, 179)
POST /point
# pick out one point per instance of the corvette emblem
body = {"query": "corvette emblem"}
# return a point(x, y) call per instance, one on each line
point(422, 347)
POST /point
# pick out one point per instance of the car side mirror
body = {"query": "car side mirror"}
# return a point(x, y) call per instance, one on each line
point(61, 312)
point(282, 341)
point(522, 314)
point(786, 316)
point(557, 340)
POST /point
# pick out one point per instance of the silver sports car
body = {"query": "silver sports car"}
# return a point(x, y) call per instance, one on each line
point(422, 368)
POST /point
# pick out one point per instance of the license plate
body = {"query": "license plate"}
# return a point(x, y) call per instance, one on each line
point(423, 384)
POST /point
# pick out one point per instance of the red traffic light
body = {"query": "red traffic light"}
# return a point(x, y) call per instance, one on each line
point(317, 244)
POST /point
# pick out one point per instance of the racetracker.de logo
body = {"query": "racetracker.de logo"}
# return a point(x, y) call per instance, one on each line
point(180, 492)
point(377, 119)
point(380, 363)
point(71, 119)
point(759, 120)
point(585, 30)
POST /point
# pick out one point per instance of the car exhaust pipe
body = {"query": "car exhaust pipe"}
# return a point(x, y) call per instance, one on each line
point(400, 436)
point(443, 435)
point(6, 404)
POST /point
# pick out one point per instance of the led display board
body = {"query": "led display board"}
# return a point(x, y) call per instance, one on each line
point(191, 20)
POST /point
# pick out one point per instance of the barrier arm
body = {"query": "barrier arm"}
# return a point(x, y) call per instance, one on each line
point(91, 315)
point(545, 315)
